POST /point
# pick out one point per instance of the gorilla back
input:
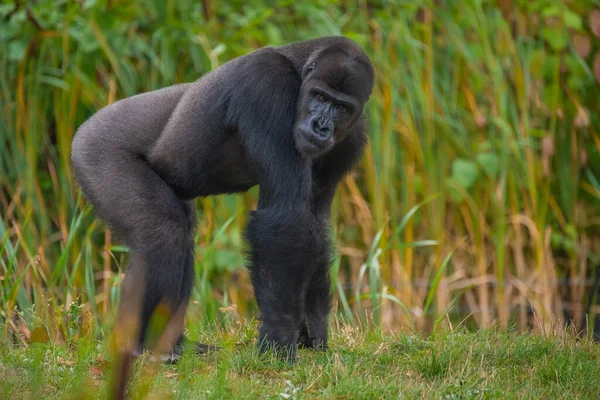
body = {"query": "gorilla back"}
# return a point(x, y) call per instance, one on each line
point(289, 119)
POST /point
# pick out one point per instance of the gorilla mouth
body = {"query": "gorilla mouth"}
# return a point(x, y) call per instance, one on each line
point(312, 141)
point(311, 146)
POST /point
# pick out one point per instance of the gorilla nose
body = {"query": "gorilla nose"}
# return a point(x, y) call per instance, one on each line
point(322, 127)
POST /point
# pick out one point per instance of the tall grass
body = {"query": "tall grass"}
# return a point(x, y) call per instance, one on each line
point(477, 199)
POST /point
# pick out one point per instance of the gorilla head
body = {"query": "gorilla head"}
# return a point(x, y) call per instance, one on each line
point(337, 82)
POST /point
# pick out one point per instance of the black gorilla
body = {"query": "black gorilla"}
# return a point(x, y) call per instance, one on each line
point(289, 119)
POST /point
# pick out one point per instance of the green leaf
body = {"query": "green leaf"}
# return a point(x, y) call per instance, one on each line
point(536, 63)
point(273, 34)
point(556, 37)
point(572, 20)
point(436, 281)
point(489, 163)
point(464, 172)
point(537, 133)
point(552, 11)
point(402, 305)
point(16, 49)
point(503, 125)
point(412, 212)
point(451, 185)
point(118, 249)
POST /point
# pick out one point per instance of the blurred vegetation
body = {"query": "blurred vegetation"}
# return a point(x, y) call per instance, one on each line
point(477, 201)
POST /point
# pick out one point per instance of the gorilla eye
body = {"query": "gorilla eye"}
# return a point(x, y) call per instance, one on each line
point(320, 97)
point(310, 68)
point(341, 108)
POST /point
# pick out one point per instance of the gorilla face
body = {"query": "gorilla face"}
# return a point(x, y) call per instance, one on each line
point(335, 88)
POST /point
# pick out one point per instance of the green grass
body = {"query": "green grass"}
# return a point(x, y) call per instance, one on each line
point(359, 365)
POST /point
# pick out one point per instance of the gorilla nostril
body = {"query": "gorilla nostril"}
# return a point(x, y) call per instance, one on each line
point(316, 127)
point(321, 128)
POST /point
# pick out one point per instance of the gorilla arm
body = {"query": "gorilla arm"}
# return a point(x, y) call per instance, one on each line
point(284, 242)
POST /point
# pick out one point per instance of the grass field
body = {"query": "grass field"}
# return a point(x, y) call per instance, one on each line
point(451, 365)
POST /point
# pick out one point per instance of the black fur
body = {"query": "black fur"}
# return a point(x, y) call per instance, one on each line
point(255, 120)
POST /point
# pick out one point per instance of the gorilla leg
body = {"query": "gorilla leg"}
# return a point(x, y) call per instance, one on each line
point(161, 274)
point(317, 299)
point(283, 245)
point(317, 305)
point(156, 225)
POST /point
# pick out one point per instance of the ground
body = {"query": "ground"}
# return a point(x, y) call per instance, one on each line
point(360, 365)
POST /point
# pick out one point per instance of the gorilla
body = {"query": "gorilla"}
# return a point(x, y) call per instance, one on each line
point(289, 119)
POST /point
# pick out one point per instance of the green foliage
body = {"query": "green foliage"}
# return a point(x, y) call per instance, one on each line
point(482, 115)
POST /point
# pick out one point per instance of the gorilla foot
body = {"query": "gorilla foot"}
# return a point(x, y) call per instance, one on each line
point(282, 341)
point(306, 342)
point(201, 348)
point(314, 342)
point(173, 356)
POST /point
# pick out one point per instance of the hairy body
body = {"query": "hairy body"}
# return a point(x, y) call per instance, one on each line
point(289, 119)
